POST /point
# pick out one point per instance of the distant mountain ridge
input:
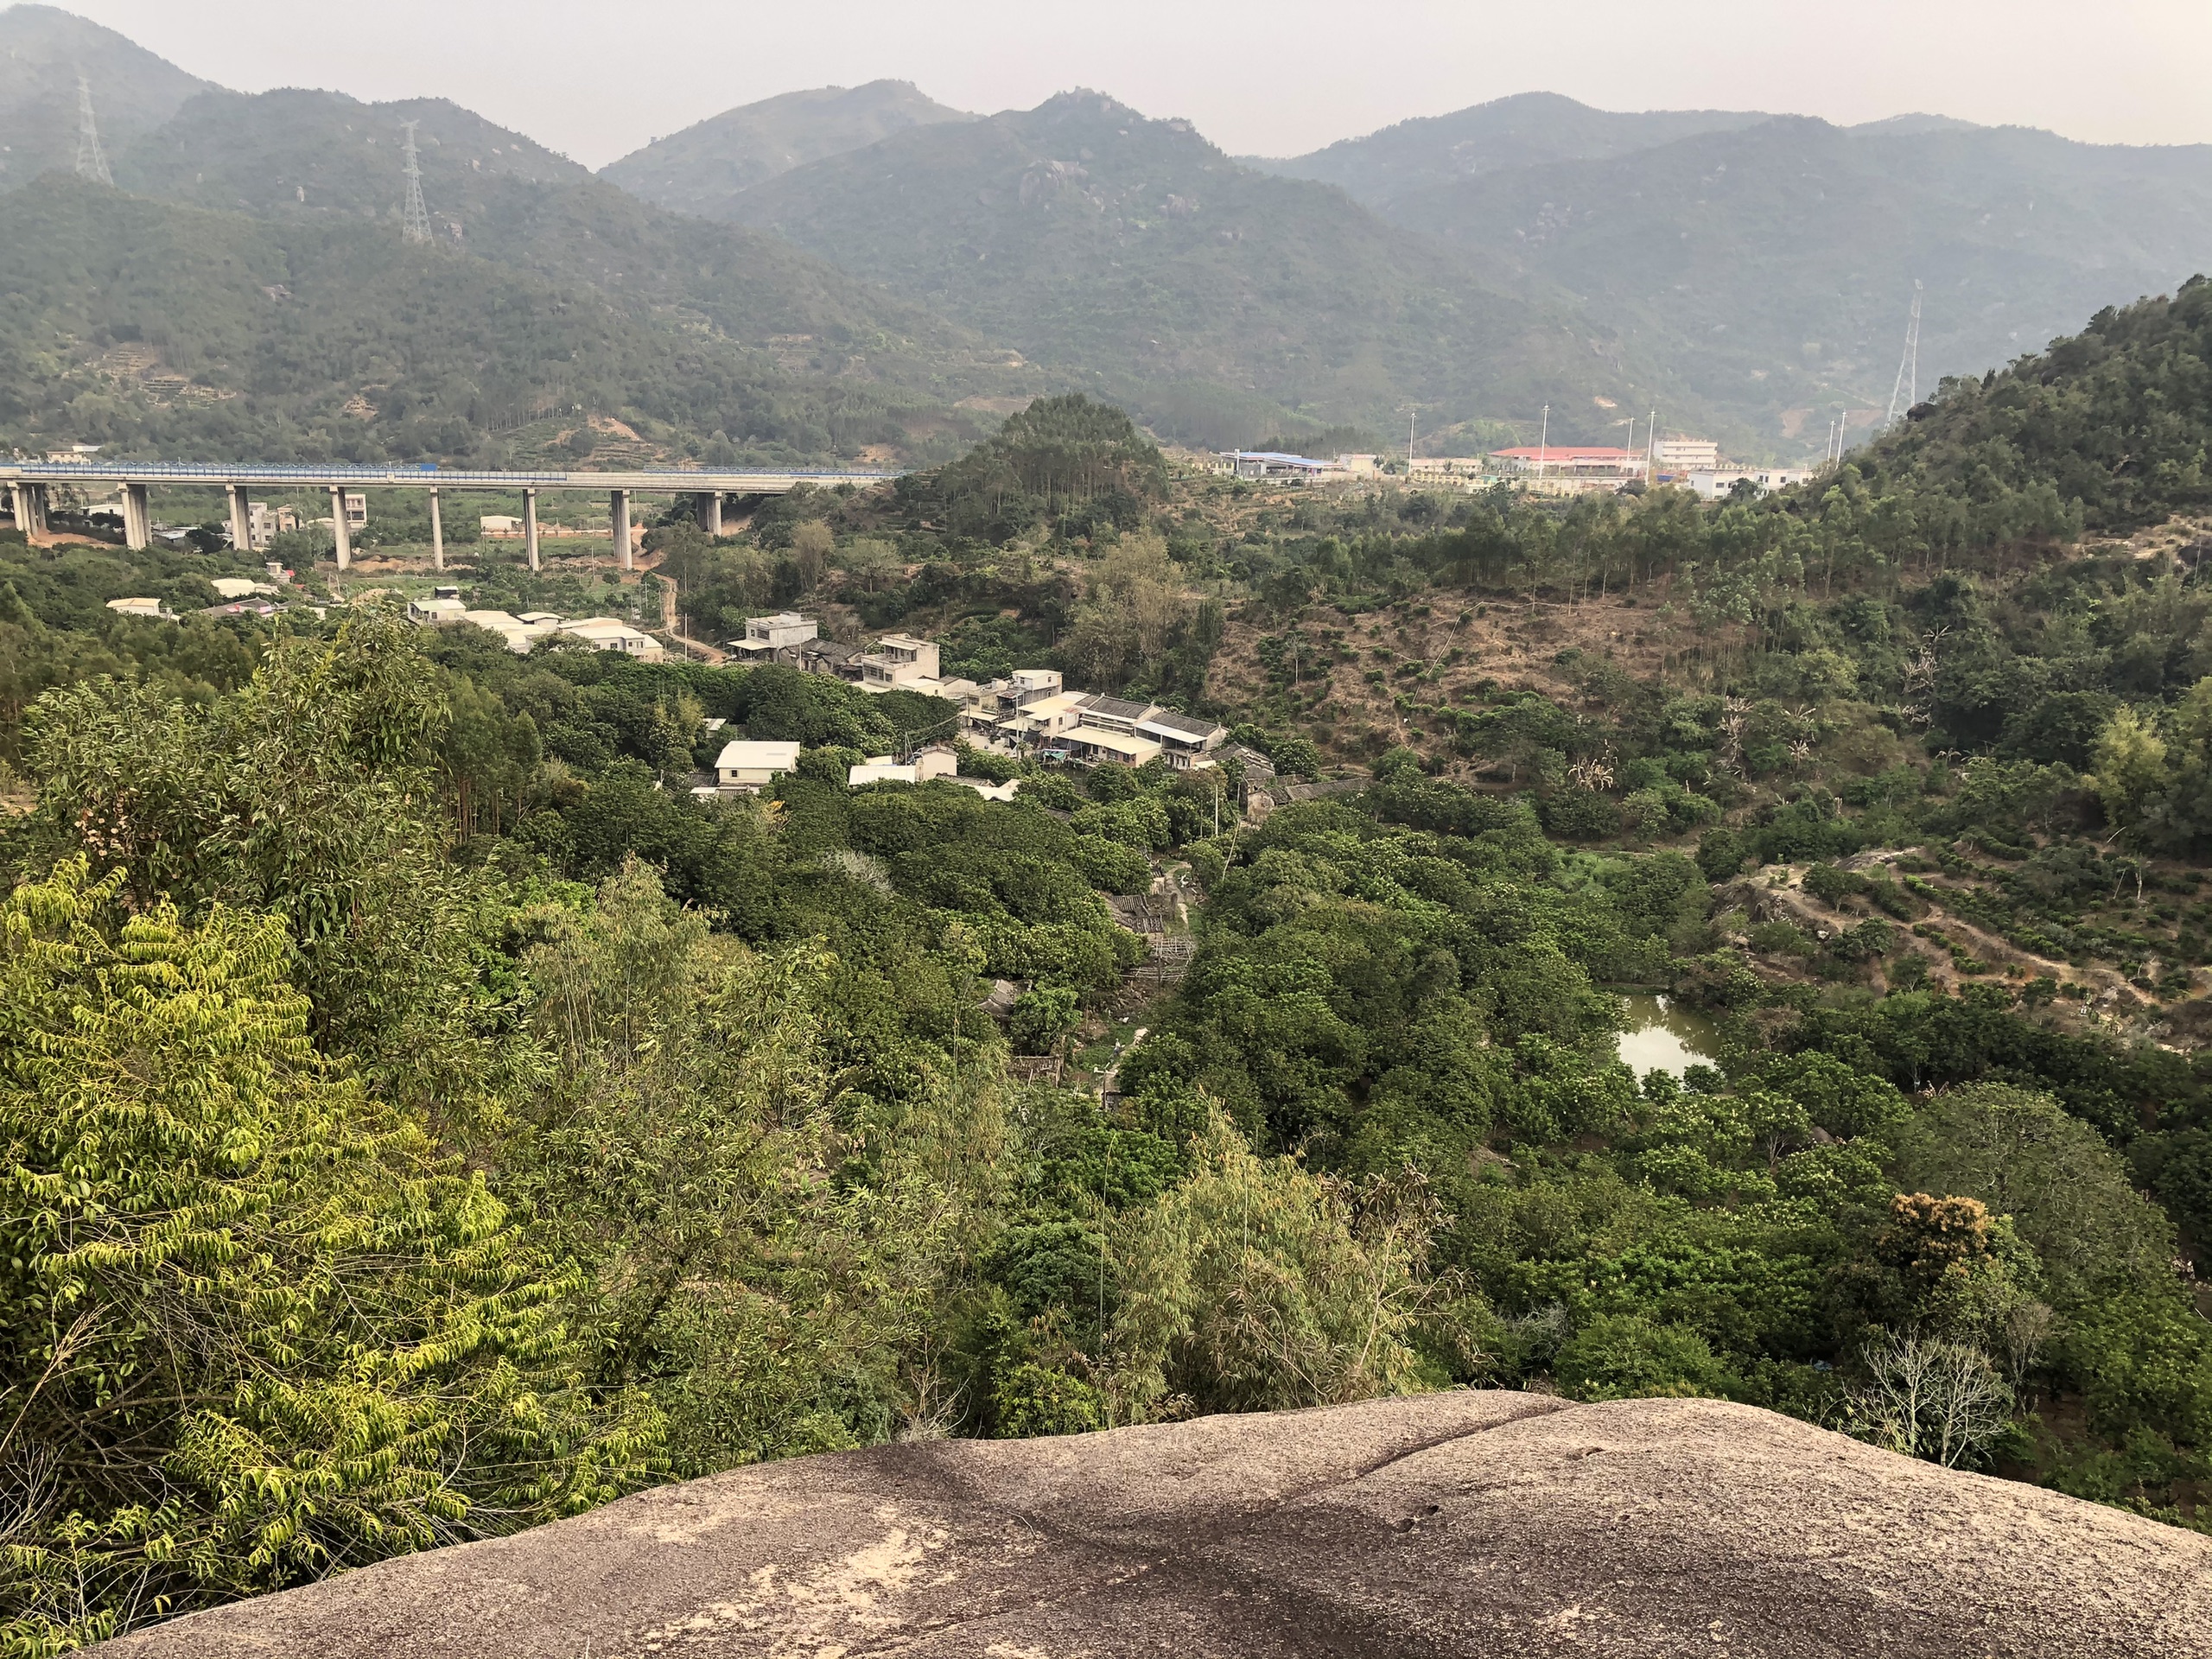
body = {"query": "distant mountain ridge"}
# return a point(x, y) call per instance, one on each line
point(704, 167)
point(1771, 267)
point(1744, 274)
point(42, 51)
point(295, 155)
point(1131, 255)
point(1526, 129)
point(245, 289)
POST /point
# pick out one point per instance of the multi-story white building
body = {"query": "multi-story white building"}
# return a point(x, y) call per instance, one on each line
point(774, 638)
point(264, 523)
point(1187, 741)
point(1713, 483)
point(1685, 456)
point(899, 661)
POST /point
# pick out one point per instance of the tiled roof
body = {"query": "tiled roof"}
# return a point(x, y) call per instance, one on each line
point(1115, 708)
point(1184, 725)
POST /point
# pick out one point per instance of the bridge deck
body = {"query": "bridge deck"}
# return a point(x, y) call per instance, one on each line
point(660, 481)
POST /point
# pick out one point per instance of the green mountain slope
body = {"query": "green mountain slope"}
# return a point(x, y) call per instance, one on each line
point(1771, 268)
point(1134, 257)
point(164, 329)
point(42, 51)
point(1526, 129)
point(701, 169)
point(295, 152)
point(321, 157)
point(2109, 426)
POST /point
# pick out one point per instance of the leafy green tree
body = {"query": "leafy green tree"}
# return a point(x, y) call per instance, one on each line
point(680, 1144)
point(1042, 1016)
point(1030, 1399)
point(2129, 772)
point(258, 1327)
point(310, 793)
point(1255, 1284)
point(2068, 1195)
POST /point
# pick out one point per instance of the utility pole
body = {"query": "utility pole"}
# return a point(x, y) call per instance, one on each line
point(415, 218)
point(92, 160)
point(1544, 441)
point(1906, 393)
point(1651, 448)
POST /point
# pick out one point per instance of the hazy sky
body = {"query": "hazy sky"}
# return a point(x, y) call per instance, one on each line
point(597, 78)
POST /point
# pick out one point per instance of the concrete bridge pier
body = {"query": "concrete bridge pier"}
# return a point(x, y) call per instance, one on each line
point(437, 535)
point(710, 512)
point(137, 518)
point(618, 506)
point(341, 537)
point(29, 501)
point(241, 518)
point(530, 526)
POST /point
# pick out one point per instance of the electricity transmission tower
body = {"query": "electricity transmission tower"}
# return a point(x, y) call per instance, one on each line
point(1906, 393)
point(415, 218)
point(92, 160)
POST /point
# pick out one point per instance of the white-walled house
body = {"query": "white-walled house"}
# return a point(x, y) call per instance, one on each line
point(753, 765)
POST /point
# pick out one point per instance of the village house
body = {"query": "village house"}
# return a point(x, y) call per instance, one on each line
point(752, 766)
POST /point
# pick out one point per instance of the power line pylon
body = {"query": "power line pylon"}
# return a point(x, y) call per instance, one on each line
point(92, 160)
point(1906, 393)
point(415, 218)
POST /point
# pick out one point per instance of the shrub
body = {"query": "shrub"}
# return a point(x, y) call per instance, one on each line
point(1628, 1356)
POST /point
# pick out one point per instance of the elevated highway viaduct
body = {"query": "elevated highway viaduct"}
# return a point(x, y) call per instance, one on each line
point(29, 482)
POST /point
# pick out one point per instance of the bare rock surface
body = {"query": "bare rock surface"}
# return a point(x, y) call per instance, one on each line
point(1461, 1523)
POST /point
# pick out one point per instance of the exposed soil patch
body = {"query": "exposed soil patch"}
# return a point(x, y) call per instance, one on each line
point(1351, 671)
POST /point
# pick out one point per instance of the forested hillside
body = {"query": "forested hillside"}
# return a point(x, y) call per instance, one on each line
point(1130, 256)
point(321, 157)
point(1772, 266)
point(1748, 275)
point(548, 296)
point(1627, 944)
point(42, 51)
point(192, 335)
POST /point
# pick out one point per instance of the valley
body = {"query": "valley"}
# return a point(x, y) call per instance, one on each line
point(1156, 910)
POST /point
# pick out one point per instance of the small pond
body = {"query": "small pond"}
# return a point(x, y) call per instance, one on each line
point(1662, 1036)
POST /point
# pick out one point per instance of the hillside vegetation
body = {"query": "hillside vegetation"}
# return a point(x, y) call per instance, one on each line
point(197, 336)
point(549, 295)
point(1132, 257)
point(324, 158)
point(42, 51)
point(558, 1132)
point(1771, 267)
point(429, 1108)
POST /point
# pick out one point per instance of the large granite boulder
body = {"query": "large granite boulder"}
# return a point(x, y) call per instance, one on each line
point(1490, 1523)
